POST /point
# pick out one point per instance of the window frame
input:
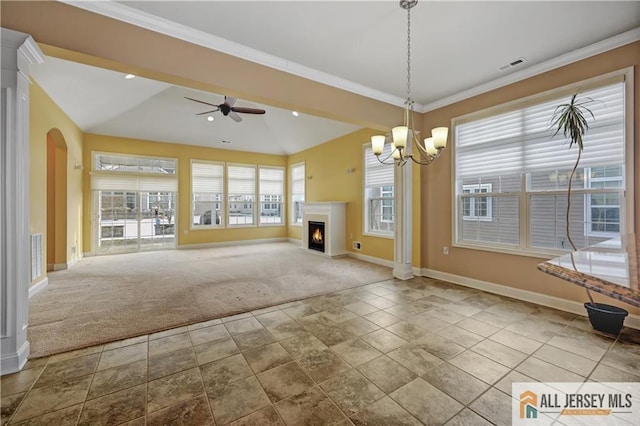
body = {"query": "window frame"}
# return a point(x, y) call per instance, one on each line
point(296, 205)
point(222, 224)
point(282, 203)
point(627, 193)
point(254, 224)
point(367, 200)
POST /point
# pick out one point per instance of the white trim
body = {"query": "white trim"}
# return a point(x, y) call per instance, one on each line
point(201, 38)
point(38, 287)
point(232, 243)
point(632, 321)
point(557, 62)
point(15, 361)
point(163, 26)
point(371, 259)
point(60, 266)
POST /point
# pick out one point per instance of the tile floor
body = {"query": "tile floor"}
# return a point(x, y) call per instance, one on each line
point(391, 353)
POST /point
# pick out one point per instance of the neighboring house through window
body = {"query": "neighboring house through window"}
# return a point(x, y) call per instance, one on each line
point(379, 201)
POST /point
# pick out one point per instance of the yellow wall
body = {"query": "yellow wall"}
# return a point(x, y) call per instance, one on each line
point(44, 116)
point(326, 168)
point(437, 184)
point(184, 154)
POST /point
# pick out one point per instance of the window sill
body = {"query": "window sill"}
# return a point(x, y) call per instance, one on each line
point(270, 225)
point(379, 235)
point(541, 254)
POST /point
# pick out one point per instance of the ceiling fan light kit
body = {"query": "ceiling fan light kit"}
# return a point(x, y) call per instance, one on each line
point(400, 135)
point(228, 109)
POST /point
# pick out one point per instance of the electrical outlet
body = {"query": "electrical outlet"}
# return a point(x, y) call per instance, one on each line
point(357, 245)
point(445, 249)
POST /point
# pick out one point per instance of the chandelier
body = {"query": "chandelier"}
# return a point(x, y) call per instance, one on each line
point(401, 135)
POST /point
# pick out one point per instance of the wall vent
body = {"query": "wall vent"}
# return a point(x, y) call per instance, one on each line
point(512, 64)
point(36, 256)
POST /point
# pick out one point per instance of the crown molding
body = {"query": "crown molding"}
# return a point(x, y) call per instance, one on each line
point(557, 62)
point(164, 26)
point(141, 19)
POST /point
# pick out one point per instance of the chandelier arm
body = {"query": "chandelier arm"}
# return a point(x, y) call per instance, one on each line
point(383, 161)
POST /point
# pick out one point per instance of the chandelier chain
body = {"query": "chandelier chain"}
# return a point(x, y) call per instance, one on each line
point(409, 54)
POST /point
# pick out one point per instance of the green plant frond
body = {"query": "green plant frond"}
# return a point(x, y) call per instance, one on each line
point(571, 119)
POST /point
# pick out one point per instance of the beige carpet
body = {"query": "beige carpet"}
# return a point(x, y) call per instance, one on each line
point(107, 298)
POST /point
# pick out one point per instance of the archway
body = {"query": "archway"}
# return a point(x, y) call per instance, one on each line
point(56, 201)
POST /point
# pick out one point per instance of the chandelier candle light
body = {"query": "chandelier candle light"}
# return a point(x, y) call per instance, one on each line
point(400, 135)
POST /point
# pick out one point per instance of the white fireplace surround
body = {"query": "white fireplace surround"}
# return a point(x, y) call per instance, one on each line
point(334, 216)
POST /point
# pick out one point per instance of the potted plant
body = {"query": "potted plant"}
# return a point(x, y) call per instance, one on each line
point(571, 119)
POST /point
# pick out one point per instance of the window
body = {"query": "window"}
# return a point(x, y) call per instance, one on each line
point(207, 183)
point(379, 202)
point(512, 175)
point(297, 192)
point(271, 195)
point(603, 210)
point(474, 206)
point(133, 164)
point(241, 181)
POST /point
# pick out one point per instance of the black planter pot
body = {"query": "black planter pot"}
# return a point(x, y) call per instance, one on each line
point(606, 318)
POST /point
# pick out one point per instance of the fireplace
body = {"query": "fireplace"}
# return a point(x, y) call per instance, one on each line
point(316, 236)
point(324, 227)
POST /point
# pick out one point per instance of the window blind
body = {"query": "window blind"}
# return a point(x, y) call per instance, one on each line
point(271, 181)
point(521, 141)
point(207, 177)
point(241, 180)
point(108, 181)
point(297, 179)
point(376, 173)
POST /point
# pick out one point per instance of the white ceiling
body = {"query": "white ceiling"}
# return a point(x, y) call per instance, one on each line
point(457, 48)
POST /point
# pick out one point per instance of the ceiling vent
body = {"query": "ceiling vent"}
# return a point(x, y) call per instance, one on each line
point(512, 64)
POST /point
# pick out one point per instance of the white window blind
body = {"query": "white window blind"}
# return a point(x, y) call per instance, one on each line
point(376, 173)
point(271, 181)
point(297, 179)
point(521, 141)
point(297, 192)
point(207, 177)
point(108, 181)
point(242, 180)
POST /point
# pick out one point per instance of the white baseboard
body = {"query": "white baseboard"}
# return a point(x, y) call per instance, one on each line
point(38, 287)
point(371, 259)
point(60, 266)
point(295, 241)
point(233, 243)
point(88, 254)
point(73, 262)
point(13, 362)
point(632, 321)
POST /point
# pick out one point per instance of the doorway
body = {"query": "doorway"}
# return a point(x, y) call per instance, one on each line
point(132, 221)
point(56, 201)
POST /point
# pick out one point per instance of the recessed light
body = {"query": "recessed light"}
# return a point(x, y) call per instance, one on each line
point(129, 76)
point(210, 118)
point(225, 141)
point(295, 113)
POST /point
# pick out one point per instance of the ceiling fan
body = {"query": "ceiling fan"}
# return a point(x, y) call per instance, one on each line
point(227, 108)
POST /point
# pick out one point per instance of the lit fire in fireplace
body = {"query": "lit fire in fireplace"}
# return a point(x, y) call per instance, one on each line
point(317, 236)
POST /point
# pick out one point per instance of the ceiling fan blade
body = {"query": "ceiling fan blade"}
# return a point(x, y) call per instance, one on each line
point(229, 100)
point(248, 110)
point(208, 112)
point(202, 102)
point(234, 115)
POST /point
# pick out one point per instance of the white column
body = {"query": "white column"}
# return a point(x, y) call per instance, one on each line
point(18, 52)
point(402, 266)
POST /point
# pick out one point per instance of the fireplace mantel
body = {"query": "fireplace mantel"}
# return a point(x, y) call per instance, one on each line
point(334, 215)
